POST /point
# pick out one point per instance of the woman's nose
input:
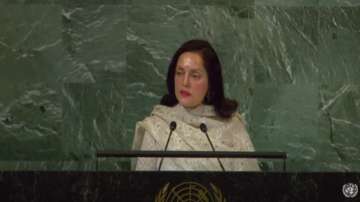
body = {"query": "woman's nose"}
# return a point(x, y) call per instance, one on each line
point(186, 80)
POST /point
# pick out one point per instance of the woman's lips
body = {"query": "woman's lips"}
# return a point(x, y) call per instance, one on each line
point(184, 93)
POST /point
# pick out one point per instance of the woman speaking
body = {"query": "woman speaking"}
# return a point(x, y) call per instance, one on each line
point(194, 115)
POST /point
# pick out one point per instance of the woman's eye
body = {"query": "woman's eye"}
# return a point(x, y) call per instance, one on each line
point(178, 73)
point(196, 76)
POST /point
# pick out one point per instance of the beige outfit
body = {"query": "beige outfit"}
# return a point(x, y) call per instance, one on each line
point(225, 134)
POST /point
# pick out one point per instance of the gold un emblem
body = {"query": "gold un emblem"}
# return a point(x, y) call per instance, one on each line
point(189, 191)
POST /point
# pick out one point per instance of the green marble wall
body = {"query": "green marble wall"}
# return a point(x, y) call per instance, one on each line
point(75, 77)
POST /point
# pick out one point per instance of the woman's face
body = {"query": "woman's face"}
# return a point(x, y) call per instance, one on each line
point(191, 80)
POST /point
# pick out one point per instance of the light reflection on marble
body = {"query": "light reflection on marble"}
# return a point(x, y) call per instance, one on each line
point(76, 77)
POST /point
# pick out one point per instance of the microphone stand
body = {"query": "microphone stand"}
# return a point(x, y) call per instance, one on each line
point(172, 128)
point(203, 128)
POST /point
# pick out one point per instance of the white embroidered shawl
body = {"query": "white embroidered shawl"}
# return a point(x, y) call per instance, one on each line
point(225, 134)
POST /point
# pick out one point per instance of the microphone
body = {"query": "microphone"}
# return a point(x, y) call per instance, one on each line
point(203, 129)
point(172, 127)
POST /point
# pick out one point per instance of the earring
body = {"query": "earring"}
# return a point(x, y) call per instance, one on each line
point(208, 97)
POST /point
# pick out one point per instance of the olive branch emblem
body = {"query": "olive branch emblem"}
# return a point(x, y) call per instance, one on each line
point(189, 191)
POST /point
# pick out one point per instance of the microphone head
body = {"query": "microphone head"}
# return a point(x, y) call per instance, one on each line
point(172, 125)
point(203, 127)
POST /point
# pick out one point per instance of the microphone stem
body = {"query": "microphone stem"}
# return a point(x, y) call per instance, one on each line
point(213, 148)
point(166, 146)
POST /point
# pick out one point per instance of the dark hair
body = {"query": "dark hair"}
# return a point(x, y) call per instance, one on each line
point(223, 107)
